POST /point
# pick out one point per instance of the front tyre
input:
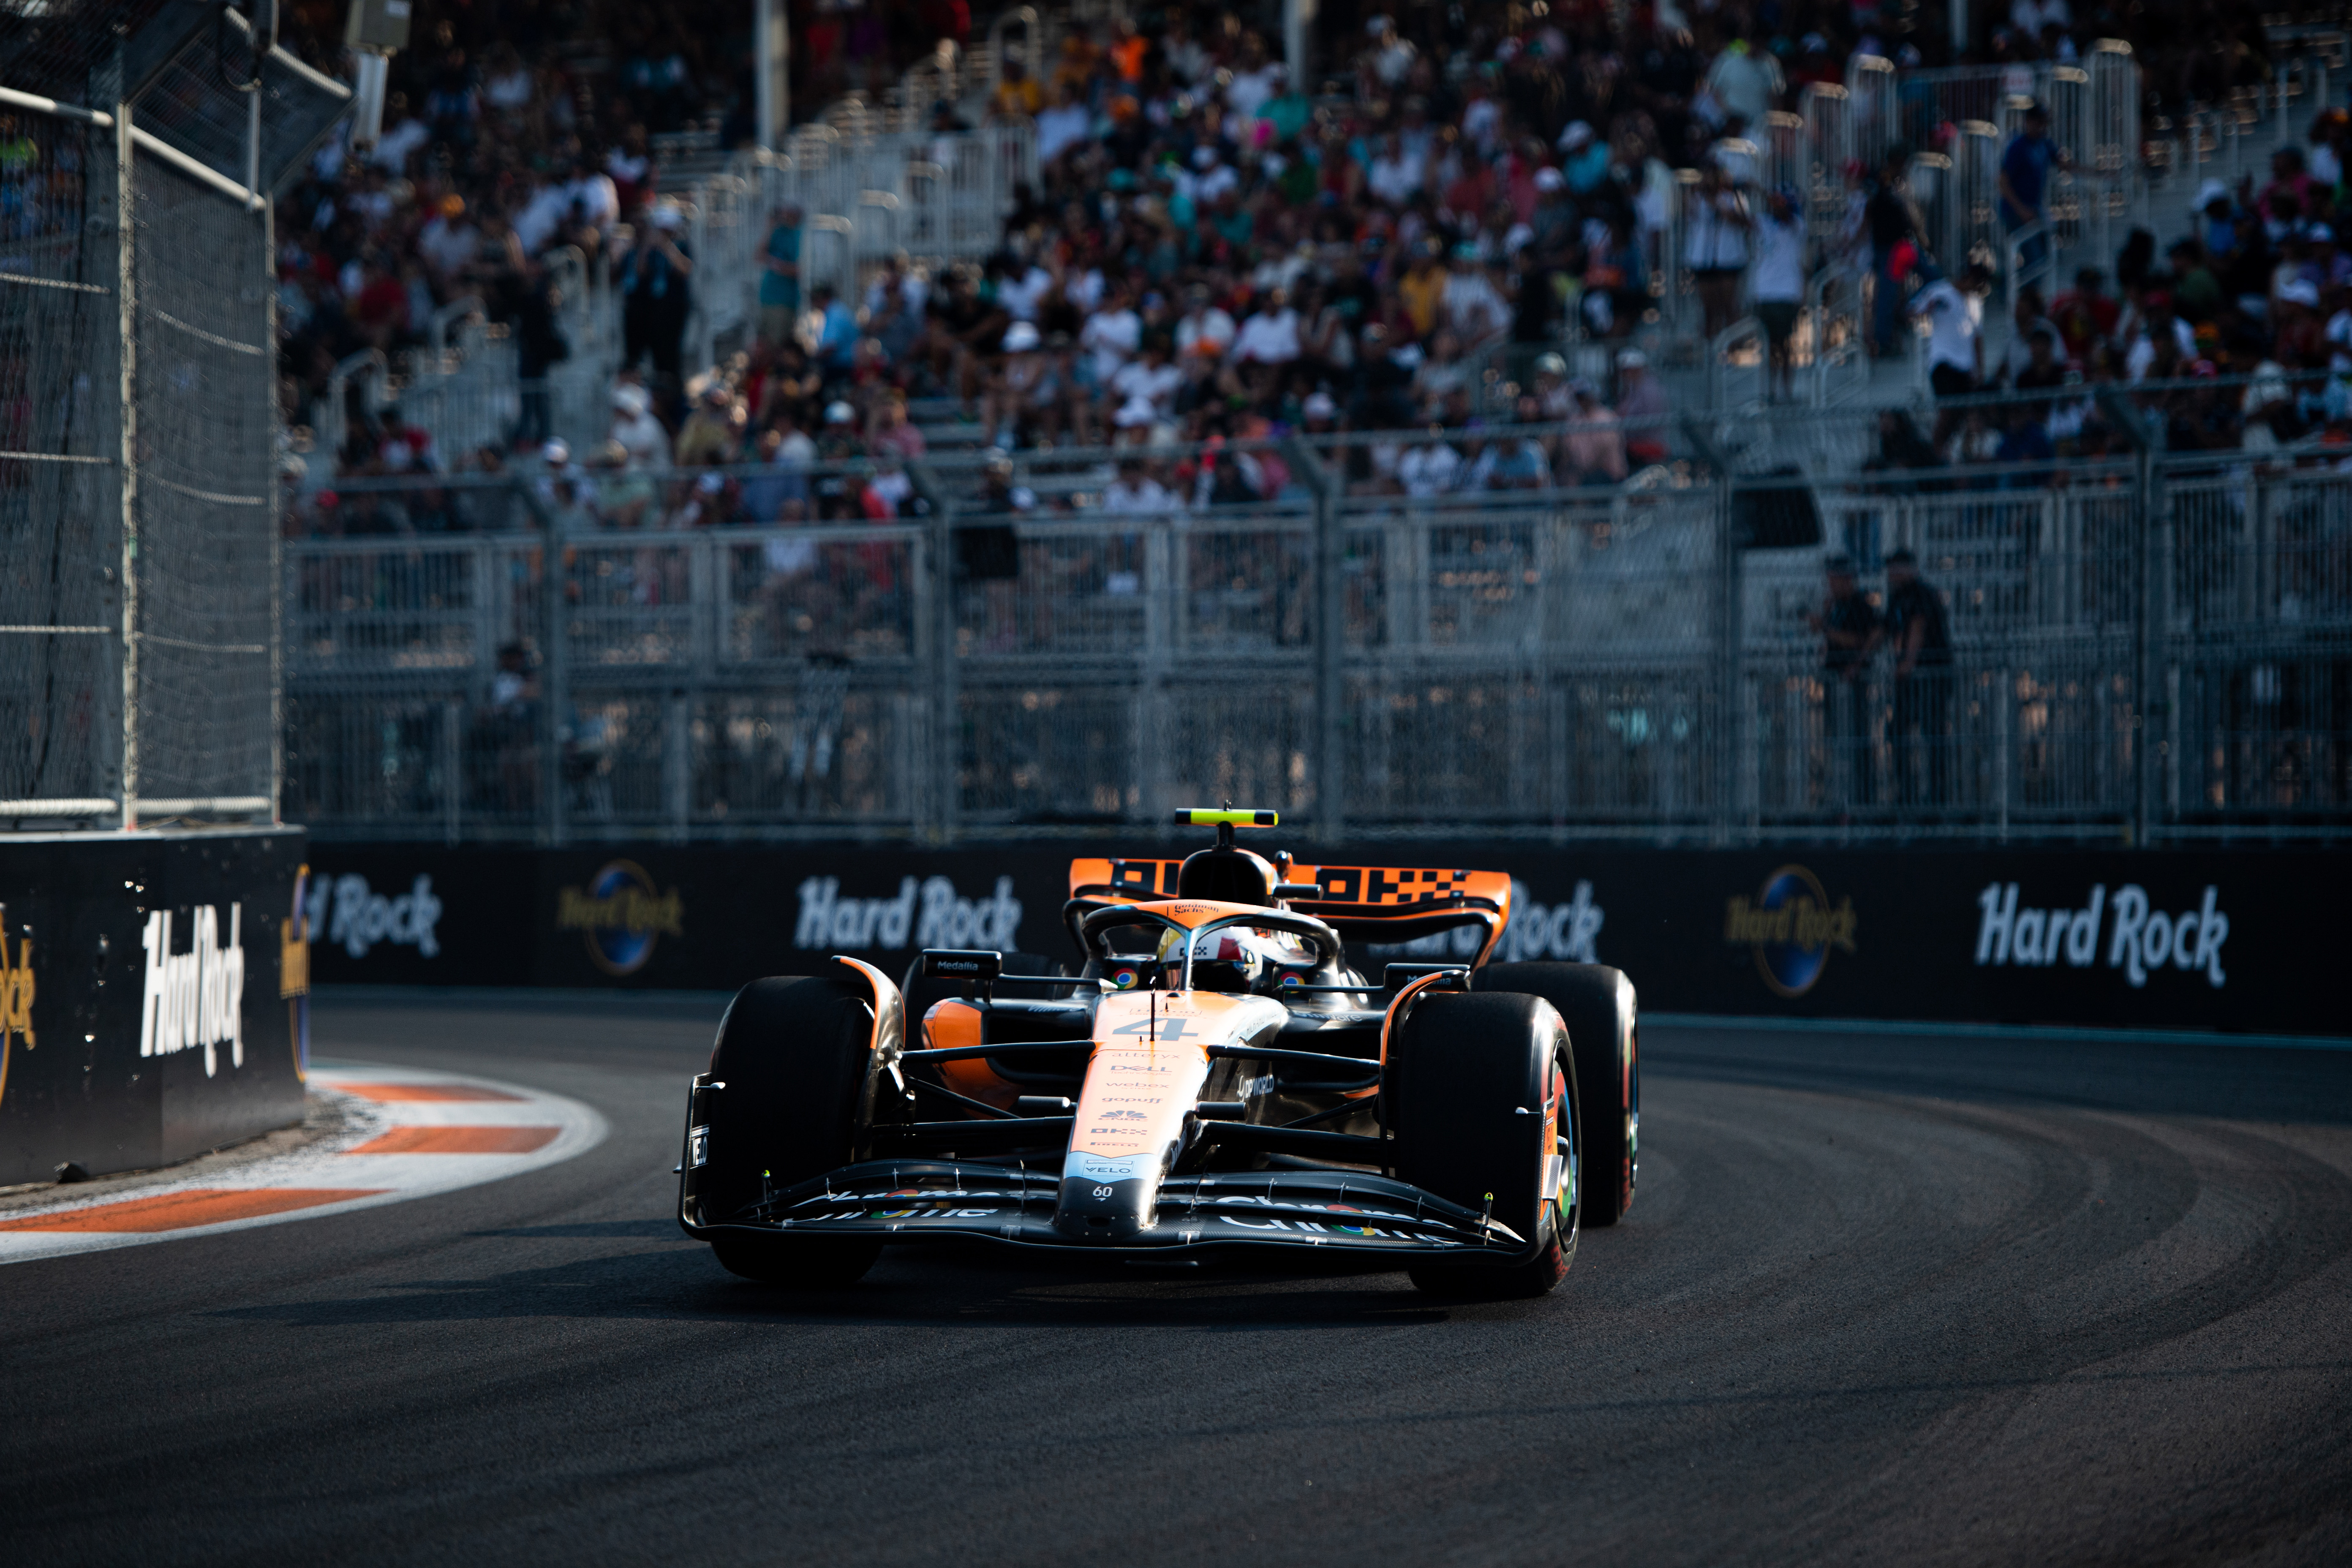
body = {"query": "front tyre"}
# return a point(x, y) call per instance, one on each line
point(1603, 1027)
point(1481, 1091)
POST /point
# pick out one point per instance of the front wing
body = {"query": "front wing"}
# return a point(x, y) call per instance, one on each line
point(1328, 1212)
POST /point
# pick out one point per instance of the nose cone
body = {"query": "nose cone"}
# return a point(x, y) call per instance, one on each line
point(1105, 1213)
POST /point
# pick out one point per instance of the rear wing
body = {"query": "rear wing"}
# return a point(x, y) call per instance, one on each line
point(1362, 903)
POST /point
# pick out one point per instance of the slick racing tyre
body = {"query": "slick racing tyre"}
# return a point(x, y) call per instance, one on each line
point(792, 1054)
point(1597, 1006)
point(1468, 1083)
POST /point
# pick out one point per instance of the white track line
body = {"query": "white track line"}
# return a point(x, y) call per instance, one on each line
point(542, 1128)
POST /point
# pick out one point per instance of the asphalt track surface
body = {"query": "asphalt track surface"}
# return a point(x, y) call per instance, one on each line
point(1881, 1299)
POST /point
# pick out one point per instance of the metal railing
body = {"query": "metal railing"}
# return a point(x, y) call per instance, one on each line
point(1382, 637)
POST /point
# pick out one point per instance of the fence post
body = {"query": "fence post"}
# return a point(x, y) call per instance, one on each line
point(2152, 546)
point(554, 679)
point(935, 622)
point(1330, 643)
point(453, 774)
point(126, 224)
point(1735, 791)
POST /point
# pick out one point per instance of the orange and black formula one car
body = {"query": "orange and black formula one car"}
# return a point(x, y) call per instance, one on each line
point(1216, 1075)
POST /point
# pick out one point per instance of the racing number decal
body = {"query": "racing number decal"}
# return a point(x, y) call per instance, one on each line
point(1170, 1029)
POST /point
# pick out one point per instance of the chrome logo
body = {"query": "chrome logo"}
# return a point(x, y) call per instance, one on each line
point(1790, 925)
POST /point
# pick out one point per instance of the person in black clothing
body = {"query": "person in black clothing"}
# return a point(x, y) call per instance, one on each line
point(1848, 627)
point(1921, 641)
point(1894, 249)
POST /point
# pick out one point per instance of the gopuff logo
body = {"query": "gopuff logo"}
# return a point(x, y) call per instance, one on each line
point(932, 910)
point(2139, 938)
point(195, 999)
point(1792, 925)
point(1565, 932)
point(344, 910)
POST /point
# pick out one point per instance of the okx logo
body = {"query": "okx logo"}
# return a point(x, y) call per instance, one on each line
point(620, 915)
point(195, 999)
point(1792, 925)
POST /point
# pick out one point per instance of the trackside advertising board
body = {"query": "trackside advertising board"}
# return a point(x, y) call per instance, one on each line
point(152, 995)
point(2238, 941)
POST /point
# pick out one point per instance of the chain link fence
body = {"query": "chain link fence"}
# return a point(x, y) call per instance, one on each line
point(2131, 647)
point(138, 548)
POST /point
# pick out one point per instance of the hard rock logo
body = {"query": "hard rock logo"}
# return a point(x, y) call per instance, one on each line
point(620, 915)
point(1792, 925)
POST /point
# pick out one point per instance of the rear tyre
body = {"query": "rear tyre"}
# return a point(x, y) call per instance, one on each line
point(793, 1055)
point(1603, 1027)
point(1481, 1091)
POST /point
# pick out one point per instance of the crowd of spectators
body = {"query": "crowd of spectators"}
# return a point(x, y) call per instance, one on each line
point(1212, 255)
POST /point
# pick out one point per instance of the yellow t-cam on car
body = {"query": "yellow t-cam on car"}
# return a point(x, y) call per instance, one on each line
point(1217, 1071)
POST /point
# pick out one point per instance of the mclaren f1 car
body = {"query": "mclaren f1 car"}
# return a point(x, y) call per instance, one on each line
point(1219, 1072)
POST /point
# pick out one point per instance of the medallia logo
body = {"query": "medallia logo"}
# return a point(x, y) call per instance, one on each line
point(1792, 925)
point(619, 916)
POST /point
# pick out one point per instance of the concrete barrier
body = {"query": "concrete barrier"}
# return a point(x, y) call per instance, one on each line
point(2237, 941)
point(152, 995)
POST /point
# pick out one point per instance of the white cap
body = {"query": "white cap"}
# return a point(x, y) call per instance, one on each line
point(1204, 156)
point(711, 484)
point(2208, 192)
point(1550, 179)
point(1632, 359)
point(555, 453)
point(839, 414)
point(2300, 291)
point(1021, 338)
point(629, 399)
point(1318, 405)
point(1577, 134)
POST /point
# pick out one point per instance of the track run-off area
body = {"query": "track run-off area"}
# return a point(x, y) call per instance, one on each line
point(1964, 1297)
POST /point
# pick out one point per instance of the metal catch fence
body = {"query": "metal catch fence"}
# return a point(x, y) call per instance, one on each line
point(2115, 646)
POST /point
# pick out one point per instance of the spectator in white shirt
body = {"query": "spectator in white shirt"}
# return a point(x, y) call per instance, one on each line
point(1151, 379)
point(1111, 336)
point(1396, 174)
point(1064, 126)
point(1019, 296)
point(638, 432)
point(2158, 324)
point(1429, 469)
point(1954, 314)
point(1271, 335)
point(1205, 329)
point(1135, 491)
point(1475, 308)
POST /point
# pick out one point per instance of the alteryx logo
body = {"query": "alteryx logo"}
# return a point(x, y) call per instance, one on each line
point(1792, 925)
point(620, 915)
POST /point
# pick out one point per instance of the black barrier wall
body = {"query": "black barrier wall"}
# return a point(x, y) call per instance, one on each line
point(2229, 941)
point(144, 1011)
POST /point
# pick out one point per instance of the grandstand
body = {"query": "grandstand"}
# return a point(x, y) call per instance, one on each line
point(856, 570)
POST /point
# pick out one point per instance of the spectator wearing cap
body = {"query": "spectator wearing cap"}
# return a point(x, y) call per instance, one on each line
point(2026, 168)
point(1584, 158)
point(641, 435)
point(713, 432)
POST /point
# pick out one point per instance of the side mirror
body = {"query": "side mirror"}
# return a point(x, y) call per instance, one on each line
point(1397, 976)
point(974, 965)
point(1299, 889)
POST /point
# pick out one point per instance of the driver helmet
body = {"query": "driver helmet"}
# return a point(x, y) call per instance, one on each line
point(1235, 959)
